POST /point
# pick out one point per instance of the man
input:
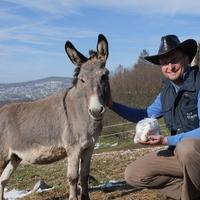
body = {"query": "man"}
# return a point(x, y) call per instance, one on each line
point(175, 171)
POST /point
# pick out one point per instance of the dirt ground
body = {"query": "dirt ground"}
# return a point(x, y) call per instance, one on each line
point(116, 163)
point(104, 167)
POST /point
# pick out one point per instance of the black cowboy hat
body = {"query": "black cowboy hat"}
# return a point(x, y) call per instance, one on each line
point(170, 43)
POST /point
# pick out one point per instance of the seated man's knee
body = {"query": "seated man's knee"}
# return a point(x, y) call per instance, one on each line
point(142, 172)
point(133, 175)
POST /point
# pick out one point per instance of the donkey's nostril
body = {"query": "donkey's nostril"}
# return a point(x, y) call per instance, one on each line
point(97, 113)
point(102, 110)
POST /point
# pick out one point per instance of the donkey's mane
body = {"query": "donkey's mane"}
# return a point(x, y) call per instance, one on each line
point(76, 73)
point(93, 54)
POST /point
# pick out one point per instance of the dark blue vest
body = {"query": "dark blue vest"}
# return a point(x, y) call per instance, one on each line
point(180, 109)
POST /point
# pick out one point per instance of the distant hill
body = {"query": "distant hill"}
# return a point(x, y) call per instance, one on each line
point(28, 91)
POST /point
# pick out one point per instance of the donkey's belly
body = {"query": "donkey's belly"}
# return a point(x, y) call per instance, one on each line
point(42, 155)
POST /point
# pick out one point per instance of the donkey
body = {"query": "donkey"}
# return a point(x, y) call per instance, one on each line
point(66, 124)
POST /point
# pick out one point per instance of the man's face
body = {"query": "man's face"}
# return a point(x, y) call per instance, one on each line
point(173, 65)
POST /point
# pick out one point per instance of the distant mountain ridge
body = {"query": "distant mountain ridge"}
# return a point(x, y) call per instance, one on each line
point(31, 90)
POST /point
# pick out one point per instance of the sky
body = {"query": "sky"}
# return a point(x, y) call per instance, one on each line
point(33, 32)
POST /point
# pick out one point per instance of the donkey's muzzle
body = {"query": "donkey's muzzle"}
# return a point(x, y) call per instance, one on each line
point(97, 112)
point(96, 109)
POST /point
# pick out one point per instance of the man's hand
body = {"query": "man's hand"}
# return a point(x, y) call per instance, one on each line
point(156, 140)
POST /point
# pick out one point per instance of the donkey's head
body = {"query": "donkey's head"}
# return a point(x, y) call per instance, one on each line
point(91, 76)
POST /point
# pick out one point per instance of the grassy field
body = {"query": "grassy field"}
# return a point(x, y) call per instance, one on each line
point(104, 167)
point(115, 151)
point(120, 137)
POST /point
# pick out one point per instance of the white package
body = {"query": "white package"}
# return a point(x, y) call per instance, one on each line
point(146, 127)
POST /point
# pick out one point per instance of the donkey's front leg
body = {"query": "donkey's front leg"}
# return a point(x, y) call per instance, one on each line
point(72, 172)
point(7, 172)
point(84, 172)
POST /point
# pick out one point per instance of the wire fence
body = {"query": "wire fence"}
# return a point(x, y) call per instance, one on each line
point(162, 129)
point(116, 136)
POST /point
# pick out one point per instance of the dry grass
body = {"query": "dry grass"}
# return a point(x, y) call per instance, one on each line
point(104, 167)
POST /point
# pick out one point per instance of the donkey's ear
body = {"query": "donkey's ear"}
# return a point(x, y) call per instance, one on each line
point(102, 47)
point(74, 55)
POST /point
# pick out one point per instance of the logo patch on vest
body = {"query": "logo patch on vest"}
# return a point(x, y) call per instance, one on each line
point(191, 116)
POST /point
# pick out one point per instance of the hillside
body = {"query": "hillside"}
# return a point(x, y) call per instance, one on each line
point(27, 91)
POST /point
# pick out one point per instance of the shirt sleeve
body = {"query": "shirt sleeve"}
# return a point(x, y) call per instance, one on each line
point(174, 140)
point(135, 114)
point(128, 113)
point(155, 109)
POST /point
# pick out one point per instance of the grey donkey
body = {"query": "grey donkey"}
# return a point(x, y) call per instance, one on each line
point(66, 124)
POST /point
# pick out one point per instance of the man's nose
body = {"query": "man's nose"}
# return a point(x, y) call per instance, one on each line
point(171, 66)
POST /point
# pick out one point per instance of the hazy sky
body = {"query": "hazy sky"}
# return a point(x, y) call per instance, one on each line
point(33, 32)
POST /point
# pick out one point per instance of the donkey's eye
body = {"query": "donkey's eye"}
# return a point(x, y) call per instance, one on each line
point(83, 81)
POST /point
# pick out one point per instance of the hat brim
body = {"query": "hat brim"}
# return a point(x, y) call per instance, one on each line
point(189, 47)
